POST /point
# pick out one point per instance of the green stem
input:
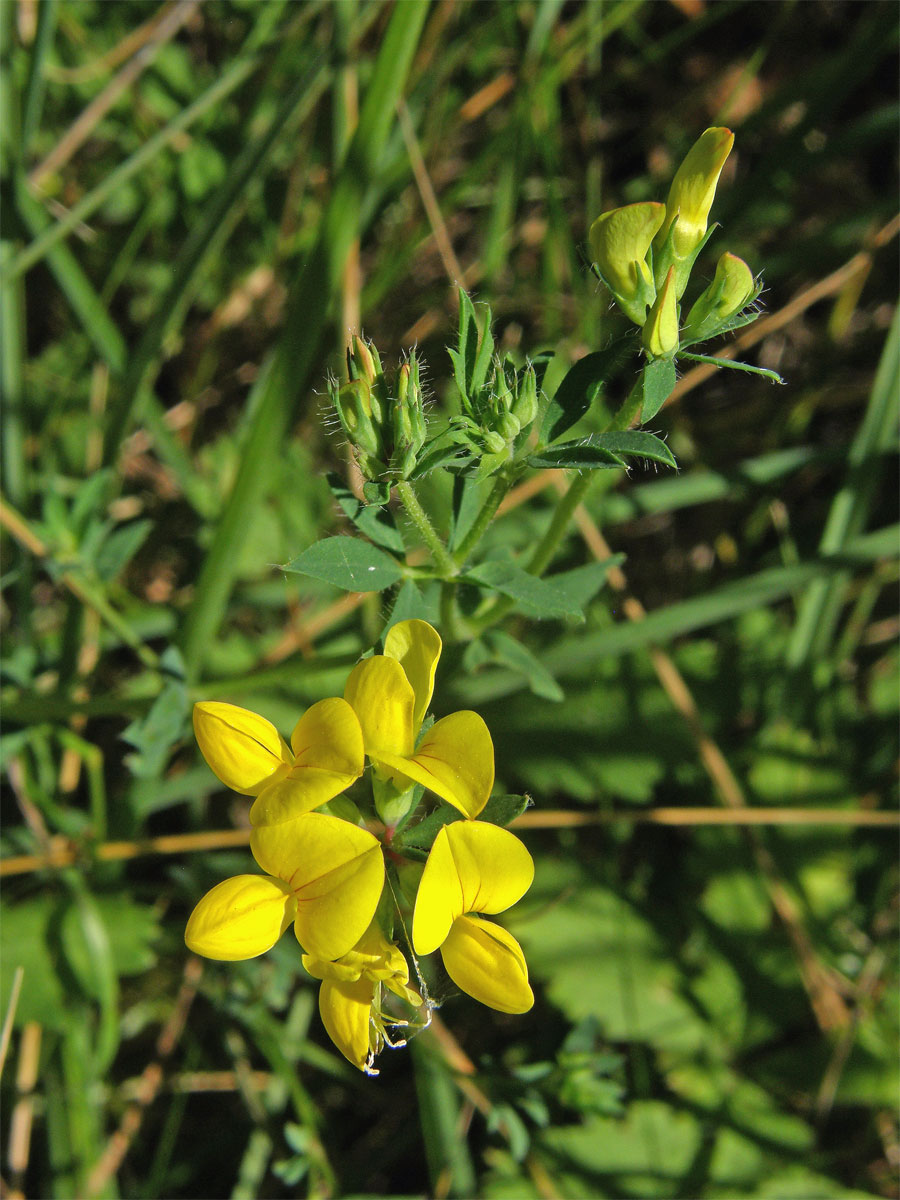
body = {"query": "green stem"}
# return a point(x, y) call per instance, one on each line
point(502, 484)
point(427, 531)
point(568, 502)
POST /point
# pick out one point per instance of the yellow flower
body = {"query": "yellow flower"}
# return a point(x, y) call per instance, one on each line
point(660, 332)
point(350, 998)
point(475, 867)
point(620, 241)
point(249, 755)
point(390, 694)
point(324, 874)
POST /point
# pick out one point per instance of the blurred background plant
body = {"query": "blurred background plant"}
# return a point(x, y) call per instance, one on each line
point(200, 203)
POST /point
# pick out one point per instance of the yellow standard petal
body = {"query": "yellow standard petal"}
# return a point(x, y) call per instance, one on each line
point(243, 749)
point(346, 1011)
point(328, 756)
point(417, 648)
point(383, 700)
point(240, 918)
point(335, 871)
point(694, 189)
point(455, 760)
point(487, 962)
point(473, 866)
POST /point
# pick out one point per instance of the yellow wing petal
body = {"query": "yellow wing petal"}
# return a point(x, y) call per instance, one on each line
point(328, 756)
point(417, 647)
point(455, 760)
point(243, 749)
point(487, 962)
point(473, 866)
point(345, 1009)
point(240, 918)
point(336, 872)
point(383, 700)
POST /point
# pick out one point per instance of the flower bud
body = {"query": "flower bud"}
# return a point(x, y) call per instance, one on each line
point(620, 241)
point(363, 361)
point(660, 332)
point(693, 191)
point(525, 406)
point(731, 290)
point(494, 442)
point(354, 407)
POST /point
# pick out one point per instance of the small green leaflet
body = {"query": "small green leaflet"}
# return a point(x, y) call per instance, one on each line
point(604, 450)
point(499, 810)
point(659, 383)
point(347, 563)
point(715, 361)
point(562, 595)
point(375, 522)
point(579, 387)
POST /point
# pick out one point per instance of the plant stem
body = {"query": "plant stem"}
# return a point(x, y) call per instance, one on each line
point(568, 502)
point(429, 534)
point(495, 496)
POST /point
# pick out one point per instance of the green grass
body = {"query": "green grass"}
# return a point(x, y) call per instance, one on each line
point(714, 1011)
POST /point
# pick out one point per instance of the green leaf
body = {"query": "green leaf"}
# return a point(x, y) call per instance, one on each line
point(562, 595)
point(659, 383)
point(582, 455)
point(512, 653)
point(580, 386)
point(154, 734)
point(375, 522)
point(347, 563)
point(637, 443)
point(715, 361)
point(120, 548)
point(410, 605)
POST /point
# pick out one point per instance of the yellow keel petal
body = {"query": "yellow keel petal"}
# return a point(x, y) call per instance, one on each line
point(346, 1009)
point(243, 749)
point(487, 962)
point(240, 918)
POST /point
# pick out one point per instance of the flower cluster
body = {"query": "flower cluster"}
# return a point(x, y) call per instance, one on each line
point(325, 873)
point(644, 254)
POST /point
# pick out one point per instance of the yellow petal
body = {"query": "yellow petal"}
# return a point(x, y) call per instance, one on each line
point(334, 869)
point(328, 737)
point(694, 189)
point(240, 918)
point(455, 760)
point(243, 749)
point(472, 867)
point(383, 700)
point(417, 648)
point(345, 1009)
point(487, 962)
point(619, 242)
point(328, 757)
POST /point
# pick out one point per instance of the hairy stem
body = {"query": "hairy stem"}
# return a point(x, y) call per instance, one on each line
point(427, 531)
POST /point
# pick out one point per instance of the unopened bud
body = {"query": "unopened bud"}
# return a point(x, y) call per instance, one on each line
point(660, 332)
point(353, 404)
point(363, 360)
point(731, 290)
point(526, 403)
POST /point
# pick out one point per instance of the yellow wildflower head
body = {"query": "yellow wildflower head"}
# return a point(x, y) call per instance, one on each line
point(475, 867)
point(324, 874)
point(390, 694)
point(350, 998)
point(249, 754)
